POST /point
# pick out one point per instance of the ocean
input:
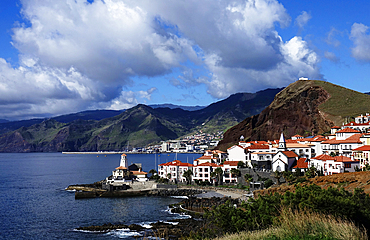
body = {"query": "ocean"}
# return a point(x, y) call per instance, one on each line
point(34, 204)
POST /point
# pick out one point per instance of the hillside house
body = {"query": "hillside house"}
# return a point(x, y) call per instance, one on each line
point(202, 172)
point(362, 154)
point(227, 166)
point(174, 170)
point(302, 164)
point(334, 165)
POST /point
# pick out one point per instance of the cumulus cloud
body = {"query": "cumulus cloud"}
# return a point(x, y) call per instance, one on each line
point(331, 56)
point(361, 40)
point(302, 19)
point(331, 37)
point(86, 53)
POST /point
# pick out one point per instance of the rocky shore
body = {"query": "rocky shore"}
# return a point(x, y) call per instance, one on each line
point(172, 229)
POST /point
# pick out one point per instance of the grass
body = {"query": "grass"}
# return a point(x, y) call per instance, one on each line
point(307, 225)
point(344, 102)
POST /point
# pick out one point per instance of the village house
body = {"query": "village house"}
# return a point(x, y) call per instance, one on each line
point(302, 165)
point(174, 170)
point(283, 160)
point(362, 155)
point(334, 165)
point(202, 172)
point(345, 141)
point(227, 167)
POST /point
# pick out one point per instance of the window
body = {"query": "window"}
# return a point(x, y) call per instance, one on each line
point(206, 175)
point(200, 169)
point(200, 175)
point(347, 165)
point(206, 169)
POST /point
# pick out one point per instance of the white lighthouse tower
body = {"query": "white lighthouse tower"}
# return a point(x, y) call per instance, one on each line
point(123, 162)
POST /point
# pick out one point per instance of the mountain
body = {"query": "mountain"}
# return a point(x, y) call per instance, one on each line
point(172, 106)
point(305, 108)
point(7, 126)
point(138, 126)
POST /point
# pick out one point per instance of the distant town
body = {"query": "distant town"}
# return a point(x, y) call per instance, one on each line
point(196, 143)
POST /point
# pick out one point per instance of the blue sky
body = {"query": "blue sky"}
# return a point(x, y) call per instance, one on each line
point(65, 56)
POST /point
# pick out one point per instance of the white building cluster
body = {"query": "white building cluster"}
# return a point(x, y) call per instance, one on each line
point(346, 149)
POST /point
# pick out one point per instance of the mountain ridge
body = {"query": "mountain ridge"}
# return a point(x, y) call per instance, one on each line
point(138, 126)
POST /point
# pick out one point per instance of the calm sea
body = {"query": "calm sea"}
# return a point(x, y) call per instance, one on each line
point(34, 204)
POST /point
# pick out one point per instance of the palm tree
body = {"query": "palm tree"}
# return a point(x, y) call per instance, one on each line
point(219, 173)
point(169, 176)
point(235, 172)
point(241, 164)
point(187, 175)
point(154, 174)
point(277, 175)
point(213, 176)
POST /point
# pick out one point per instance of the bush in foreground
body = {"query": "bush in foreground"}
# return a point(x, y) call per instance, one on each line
point(304, 224)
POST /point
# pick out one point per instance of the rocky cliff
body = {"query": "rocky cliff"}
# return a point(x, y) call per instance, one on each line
point(304, 107)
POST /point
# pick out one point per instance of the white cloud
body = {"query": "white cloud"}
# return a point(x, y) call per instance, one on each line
point(331, 56)
point(302, 19)
point(361, 39)
point(331, 40)
point(73, 51)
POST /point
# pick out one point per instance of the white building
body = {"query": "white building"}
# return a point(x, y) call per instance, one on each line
point(227, 167)
point(334, 165)
point(202, 172)
point(174, 170)
point(362, 154)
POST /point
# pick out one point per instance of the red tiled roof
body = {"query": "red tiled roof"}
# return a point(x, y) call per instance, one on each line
point(357, 124)
point(355, 138)
point(343, 159)
point(258, 146)
point(363, 148)
point(139, 173)
point(290, 154)
point(208, 164)
point(298, 136)
point(230, 163)
point(323, 157)
point(336, 127)
point(123, 154)
point(349, 130)
point(176, 163)
point(301, 163)
point(120, 167)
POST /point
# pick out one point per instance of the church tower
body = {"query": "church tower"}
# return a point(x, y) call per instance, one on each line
point(123, 162)
point(282, 144)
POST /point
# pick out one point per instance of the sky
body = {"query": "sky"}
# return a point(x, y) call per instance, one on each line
point(66, 56)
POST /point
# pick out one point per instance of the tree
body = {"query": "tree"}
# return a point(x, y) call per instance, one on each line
point(241, 164)
point(187, 175)
point(152, 171)
point(235, 172)
point(289, 177)
point(214, 177)
point(219, 173)
point(169, 176)
point(248, 178)
point(311, 172)
point(277, 175)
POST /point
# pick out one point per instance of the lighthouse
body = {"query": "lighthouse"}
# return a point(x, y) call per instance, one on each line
point(123, 162)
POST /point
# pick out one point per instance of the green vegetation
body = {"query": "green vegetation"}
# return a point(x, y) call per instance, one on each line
point(303, 225)
point(308, 212)
point(344, 102)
